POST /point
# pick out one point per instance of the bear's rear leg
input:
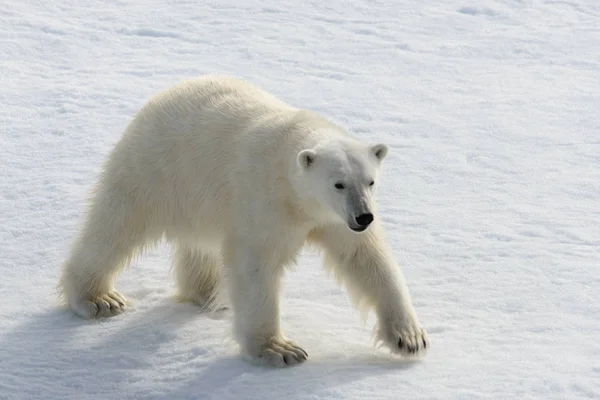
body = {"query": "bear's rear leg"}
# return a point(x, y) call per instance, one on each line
point(197, 273)
point(113, 230)
point(88, 277)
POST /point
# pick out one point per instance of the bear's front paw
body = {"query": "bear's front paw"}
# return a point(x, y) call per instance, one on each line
point(412, 341)
point(277, 352)
point(403, 335)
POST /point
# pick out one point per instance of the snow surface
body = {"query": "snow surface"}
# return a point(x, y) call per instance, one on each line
point(490, 195)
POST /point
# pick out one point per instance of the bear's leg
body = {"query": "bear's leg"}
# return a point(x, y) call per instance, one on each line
point(254, 277)
point(114, 229)
point(197, 273)
point(364, 264)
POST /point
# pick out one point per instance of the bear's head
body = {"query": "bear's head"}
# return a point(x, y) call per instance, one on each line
point(339, 179)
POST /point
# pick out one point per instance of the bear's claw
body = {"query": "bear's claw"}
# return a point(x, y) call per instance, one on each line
point(106, 305)
point(281, 353)
point(403, 334)
point(412, 342)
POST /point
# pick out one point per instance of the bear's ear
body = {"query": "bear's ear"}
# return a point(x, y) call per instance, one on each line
point(380, 150)
point(306, 158)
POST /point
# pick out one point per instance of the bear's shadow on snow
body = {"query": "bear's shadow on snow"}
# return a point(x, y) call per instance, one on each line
point(230, 377)
point(78, 356)
point(56, 342)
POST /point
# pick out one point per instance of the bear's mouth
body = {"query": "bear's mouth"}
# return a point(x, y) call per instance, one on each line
point(359, 228)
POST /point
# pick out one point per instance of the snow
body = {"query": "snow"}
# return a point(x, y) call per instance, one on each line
point(490, 195)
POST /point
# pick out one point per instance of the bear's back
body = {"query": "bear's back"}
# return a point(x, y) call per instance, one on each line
point(218, 99)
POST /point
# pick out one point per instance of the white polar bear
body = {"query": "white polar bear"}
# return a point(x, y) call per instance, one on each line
point(239, 181)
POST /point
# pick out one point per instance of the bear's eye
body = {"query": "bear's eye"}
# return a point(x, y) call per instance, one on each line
point(372, 183)
point(339, 186)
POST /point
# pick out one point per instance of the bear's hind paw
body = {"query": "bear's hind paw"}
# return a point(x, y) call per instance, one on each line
point(105, 305)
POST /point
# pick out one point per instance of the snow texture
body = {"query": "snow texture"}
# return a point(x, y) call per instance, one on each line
point(490, 195)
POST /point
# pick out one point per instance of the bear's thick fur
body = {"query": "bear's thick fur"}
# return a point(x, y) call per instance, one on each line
point(238, 182)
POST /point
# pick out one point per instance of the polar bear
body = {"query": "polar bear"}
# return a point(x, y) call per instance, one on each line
point(238, 181)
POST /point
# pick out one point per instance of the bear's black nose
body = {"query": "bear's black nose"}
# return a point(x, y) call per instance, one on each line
point(364, 219)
